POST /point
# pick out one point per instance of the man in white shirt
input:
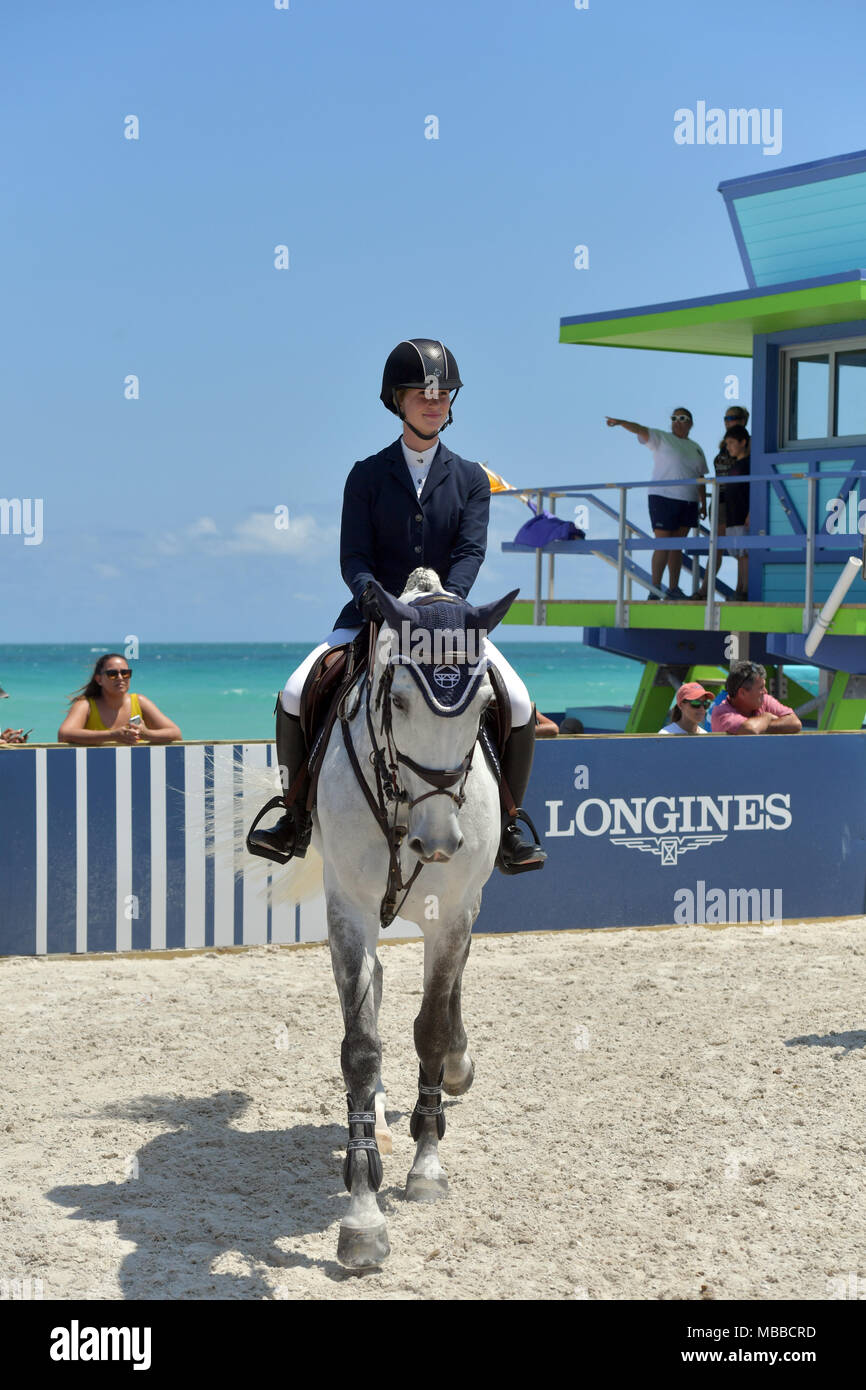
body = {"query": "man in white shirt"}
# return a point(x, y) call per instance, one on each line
point(674, 507)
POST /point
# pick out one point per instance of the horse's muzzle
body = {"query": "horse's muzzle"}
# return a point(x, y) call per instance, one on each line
point(429, 854)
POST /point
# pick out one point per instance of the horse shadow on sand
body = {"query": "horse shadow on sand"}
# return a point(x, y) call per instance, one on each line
point(850, 1041)
point(204, 1195)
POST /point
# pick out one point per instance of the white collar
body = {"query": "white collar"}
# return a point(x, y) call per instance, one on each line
point(418, 458)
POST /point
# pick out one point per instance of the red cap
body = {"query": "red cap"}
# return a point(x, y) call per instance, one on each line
point(692, 690)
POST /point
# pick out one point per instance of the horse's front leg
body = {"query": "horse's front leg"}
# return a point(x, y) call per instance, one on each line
point(440, 1042)
point(363, 1236)
point(384, 1137)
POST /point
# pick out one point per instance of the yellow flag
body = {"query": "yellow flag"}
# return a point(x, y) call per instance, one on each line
point(498, 484)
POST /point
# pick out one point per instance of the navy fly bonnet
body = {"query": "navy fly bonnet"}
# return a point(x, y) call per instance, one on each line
point(441, 641)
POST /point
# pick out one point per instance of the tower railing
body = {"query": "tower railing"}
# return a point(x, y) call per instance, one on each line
point(813, 544)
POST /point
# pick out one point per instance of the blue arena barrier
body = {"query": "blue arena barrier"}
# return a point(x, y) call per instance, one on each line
point(102, 849)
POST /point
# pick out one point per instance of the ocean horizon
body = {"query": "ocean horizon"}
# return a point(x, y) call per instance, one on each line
point(227, 690)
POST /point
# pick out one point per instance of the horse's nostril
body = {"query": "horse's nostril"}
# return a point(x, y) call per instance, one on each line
point(416, 845)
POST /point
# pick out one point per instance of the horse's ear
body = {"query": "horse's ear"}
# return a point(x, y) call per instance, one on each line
point(489, 614)
point(393, 611)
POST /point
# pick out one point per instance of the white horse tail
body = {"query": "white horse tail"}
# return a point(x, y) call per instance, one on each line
point(240, 787)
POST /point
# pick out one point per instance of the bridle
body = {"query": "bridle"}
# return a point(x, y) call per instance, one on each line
point(386, 761)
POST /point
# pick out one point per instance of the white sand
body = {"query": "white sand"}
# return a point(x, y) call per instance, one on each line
point(674, 1114)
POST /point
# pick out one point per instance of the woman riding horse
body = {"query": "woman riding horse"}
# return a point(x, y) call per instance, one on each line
point(413, 504)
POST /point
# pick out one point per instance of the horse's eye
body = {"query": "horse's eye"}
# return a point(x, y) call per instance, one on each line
point(398, 702)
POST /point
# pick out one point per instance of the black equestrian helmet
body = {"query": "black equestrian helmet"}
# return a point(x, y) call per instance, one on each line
point(418, 362)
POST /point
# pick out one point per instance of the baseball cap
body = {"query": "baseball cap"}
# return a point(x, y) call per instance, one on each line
point(692, 690)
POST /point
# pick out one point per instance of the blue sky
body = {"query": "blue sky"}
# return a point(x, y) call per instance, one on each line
point(259, 387)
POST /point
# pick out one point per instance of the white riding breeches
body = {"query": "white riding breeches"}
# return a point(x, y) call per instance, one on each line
point(521, 705)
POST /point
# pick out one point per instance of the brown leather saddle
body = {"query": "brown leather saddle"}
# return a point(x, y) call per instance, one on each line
point(331, 680)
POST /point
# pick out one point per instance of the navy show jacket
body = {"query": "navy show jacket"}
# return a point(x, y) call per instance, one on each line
point(388, 530)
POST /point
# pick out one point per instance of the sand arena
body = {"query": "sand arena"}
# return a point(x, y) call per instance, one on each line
point(656, 1115)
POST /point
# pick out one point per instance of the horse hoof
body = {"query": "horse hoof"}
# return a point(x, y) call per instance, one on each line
point(462, 1084)
point(363, 1248)
point(385, 1141)
point(421, 1189)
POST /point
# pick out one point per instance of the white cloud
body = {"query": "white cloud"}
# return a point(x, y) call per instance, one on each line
point(256, 534)
point(259, 534)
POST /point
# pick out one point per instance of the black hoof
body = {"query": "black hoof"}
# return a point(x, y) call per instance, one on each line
point(420, 1189)
point(363, 1249)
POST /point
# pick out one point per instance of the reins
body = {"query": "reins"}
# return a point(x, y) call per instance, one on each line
point(386, 767)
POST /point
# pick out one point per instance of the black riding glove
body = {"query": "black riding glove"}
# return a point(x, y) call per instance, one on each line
point(369, 605)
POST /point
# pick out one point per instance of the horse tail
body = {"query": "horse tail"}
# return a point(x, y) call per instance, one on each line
point(222, 814)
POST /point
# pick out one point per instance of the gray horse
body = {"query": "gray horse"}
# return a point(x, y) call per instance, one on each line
point(442, 799)
point(408, 821)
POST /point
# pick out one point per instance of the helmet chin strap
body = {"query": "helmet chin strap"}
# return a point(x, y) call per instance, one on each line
point(420, 433)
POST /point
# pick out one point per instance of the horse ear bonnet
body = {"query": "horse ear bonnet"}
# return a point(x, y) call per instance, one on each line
point(441, 642)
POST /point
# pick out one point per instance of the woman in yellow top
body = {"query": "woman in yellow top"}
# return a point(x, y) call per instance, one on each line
point(106, 711)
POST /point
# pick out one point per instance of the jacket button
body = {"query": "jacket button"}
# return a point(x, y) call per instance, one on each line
point(417, 550)
point(419, 516)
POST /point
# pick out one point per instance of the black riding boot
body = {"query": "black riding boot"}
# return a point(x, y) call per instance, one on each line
point(519, 850)
point(290, 836)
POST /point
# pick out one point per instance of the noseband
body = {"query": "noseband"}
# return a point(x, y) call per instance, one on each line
point(440, 779)
point(386, 762)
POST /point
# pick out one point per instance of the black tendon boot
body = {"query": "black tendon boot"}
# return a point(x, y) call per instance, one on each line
point(519, 850)
point(291, 835)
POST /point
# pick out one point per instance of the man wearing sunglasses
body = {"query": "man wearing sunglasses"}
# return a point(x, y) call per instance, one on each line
point(748, 709)
point(673, 508)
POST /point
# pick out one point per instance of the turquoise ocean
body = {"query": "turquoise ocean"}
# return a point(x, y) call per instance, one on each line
point(227, 690)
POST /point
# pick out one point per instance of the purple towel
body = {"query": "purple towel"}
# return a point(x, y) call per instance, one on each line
point(540, 530)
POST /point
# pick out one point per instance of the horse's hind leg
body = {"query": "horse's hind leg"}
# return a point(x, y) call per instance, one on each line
point(363, 1236)
point(445, 954)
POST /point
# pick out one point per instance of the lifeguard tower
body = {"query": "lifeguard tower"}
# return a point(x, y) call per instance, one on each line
point(801, 234)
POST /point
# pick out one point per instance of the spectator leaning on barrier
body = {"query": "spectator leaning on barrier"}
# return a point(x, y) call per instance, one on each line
point(12, 736)
point(105, 711)
point(692, 703)
point(720, 696)
point(544, 727)
point(748, 709)
point(673, 507)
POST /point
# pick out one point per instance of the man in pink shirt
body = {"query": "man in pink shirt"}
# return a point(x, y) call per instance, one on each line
point(748, 709)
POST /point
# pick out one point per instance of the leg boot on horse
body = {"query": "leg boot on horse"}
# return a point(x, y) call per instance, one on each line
point(290, 837)
point(519, 850)
point(445, 1062)
point(363, 1241)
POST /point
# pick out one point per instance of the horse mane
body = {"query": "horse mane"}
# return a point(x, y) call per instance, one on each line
point(423, 581)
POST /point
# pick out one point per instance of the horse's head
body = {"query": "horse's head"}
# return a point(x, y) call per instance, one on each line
point(429, 689)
